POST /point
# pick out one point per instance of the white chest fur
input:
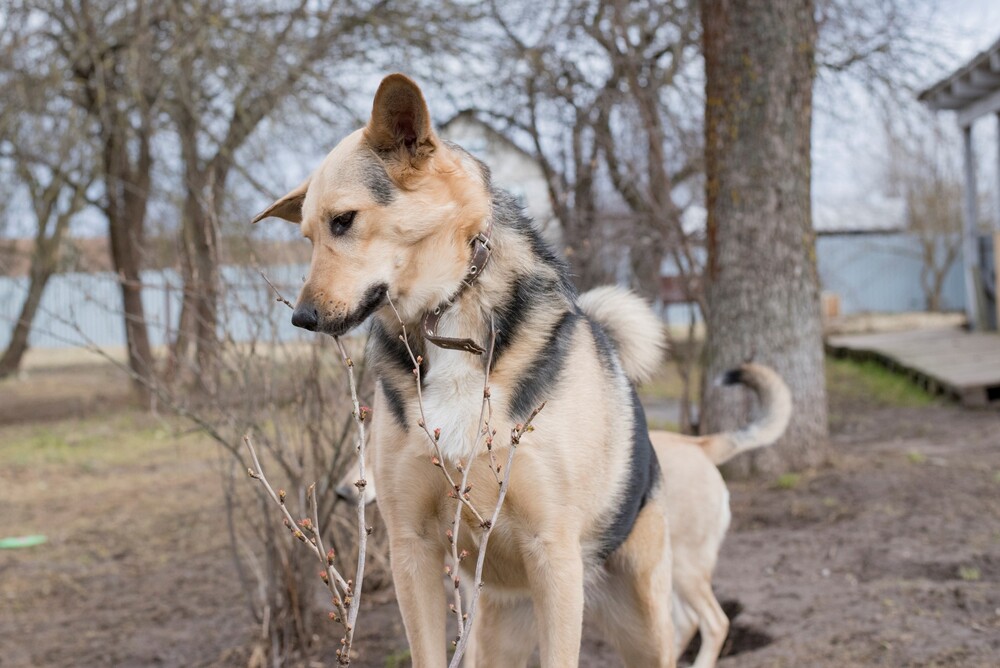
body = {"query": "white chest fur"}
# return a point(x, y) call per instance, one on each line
point(453, 400)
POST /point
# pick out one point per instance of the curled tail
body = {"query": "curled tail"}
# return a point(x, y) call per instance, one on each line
point(776, 406)
point(636, 331)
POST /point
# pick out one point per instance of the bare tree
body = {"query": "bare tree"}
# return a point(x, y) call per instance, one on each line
point(108, 53)
point(233, 65)
point(921, 170)
point(609, 101)
point(49, 159)
point(762, 283)
point(599, 88)
point(55, 200)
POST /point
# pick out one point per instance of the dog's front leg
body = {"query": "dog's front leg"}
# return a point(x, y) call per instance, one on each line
point(416, 573)
point(555, 573)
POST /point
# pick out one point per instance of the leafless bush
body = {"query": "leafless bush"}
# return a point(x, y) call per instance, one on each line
point(302, 402)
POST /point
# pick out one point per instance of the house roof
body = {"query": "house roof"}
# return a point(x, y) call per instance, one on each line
point(972, 90)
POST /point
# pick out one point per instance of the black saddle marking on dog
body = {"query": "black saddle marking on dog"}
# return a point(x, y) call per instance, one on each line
point(506, 211)
point(510, 316)
point(397, 405)
point(643, 476)
point(544, 370)
point(605, 349)
point(394, 368)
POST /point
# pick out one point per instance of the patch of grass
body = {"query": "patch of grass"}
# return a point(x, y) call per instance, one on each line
point(969, 573)
point(666, 383)
point(788, 481)
point(86, 445)
point(398, 659)
point(915, 457)
point(871, 381)
point(663, 425)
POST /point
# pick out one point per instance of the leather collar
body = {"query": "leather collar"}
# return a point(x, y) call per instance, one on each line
point(482, 248)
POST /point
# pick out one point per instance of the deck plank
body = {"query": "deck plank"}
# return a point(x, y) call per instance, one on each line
point(965, 364)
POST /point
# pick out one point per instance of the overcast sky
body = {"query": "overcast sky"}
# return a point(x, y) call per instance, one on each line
point(849, 146)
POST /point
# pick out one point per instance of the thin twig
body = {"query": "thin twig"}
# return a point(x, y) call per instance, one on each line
point(456, 525)
point(461, 491)
point(360, 414)
point(515, 439)
point(334, 579)
point(439, 459)
point(352, 590)
point(277, 293)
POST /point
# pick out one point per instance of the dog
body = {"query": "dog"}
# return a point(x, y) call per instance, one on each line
point(409, 231)
point(697, 503)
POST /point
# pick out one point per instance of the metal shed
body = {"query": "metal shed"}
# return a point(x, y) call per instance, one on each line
point(972, 92)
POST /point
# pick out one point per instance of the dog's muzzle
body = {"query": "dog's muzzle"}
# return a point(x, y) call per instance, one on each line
point(307, 316)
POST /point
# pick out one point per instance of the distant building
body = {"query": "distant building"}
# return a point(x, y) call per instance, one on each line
point(867, 260)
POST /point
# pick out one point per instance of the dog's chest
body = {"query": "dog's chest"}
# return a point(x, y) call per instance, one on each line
point(453, 402)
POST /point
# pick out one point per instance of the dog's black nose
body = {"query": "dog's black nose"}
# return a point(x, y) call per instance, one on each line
point(306, 316)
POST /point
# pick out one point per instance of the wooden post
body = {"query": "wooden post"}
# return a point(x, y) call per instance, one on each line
point(969, 254)
point(996, 237)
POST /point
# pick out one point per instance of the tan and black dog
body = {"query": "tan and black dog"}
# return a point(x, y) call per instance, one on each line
point(697, 501)
point(394, 212)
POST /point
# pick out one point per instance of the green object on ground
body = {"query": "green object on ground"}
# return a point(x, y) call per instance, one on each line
point(15, 542)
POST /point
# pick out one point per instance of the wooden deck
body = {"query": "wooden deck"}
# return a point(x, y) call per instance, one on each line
point(963, 364)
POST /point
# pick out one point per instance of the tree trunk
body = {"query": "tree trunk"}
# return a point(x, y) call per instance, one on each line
point(10, 362)
point(204, 186)
point(762, 284)
point(127, 188)
point(44, 262)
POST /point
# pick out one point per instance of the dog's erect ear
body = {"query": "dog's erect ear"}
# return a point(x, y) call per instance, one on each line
point(400, 121)
point(288, 207)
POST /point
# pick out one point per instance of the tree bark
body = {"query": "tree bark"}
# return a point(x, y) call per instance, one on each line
point(10, 362)
point(762, 284)
point(127, 193)
point(44, 259)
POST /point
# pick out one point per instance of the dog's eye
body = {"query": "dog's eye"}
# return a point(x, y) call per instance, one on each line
point(340, 223)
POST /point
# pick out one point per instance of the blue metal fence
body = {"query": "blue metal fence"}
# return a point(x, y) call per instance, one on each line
point(78, 308)
point(870, 273)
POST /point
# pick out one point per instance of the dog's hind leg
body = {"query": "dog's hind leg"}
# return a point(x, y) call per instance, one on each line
point(713, 625)
point(634, 606)
point(504, 632)
point(685, 622)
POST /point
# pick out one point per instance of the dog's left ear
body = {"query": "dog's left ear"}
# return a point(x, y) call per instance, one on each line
point(288, 207)
point(400, 126)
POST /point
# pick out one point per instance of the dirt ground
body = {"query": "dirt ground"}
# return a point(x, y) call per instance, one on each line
point(889, 556)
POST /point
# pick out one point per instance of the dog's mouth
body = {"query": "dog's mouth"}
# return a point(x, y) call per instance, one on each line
point(373, 298)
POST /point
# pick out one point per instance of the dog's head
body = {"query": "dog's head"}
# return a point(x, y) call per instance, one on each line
point(390, 211)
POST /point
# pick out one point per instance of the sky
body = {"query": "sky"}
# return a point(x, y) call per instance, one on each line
point(849, 146)
point(849, 143)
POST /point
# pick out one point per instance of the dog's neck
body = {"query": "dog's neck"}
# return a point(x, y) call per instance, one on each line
point(524, 290)
point(482, 250)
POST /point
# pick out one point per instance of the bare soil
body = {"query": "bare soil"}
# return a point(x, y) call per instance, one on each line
point(888, 556)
